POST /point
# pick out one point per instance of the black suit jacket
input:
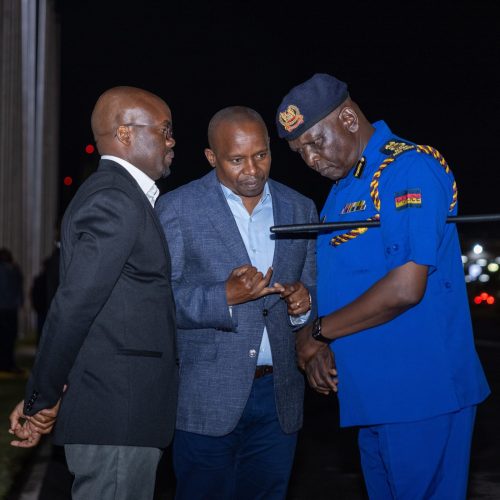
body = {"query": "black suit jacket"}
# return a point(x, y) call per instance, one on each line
point(110, 330)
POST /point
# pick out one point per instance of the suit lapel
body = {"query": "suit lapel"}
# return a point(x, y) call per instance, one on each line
point(283, 214)
point(222, 220)
point(110, 165)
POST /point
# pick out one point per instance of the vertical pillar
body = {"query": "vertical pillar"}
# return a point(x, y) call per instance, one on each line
point(29, 131)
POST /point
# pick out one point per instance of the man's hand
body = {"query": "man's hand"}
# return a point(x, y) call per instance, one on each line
point(321, 372)
point(245, 283)
point(305, 346)
point(297, 298)
point(29, 429)
point(22, 429)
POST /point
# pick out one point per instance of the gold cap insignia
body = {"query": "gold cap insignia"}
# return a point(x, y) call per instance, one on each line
point(291, 118)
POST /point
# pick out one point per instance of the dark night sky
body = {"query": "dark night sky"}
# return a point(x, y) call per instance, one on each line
point(430, 69)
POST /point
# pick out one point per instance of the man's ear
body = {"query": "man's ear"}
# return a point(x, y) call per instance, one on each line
point(349, 119)
point(210, 155)
point(123, 134)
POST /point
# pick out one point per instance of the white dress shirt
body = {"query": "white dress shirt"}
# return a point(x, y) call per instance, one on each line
point(145, 182)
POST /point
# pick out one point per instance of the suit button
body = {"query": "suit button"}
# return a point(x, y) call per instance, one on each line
point(252, 353)
point(265, 312)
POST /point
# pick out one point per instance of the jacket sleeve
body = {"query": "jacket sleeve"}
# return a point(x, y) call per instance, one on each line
point(101, 233)
point(198, 305)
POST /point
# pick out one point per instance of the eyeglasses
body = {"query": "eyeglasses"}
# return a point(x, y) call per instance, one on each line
point(166, 130)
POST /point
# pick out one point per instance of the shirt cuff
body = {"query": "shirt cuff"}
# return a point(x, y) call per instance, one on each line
point(300, 320)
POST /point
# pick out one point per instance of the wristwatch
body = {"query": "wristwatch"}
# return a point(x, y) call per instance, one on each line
point(316, 331)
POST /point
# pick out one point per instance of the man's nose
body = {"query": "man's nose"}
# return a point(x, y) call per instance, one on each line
point(250, 167)
point(310, 158)
point(170, 142)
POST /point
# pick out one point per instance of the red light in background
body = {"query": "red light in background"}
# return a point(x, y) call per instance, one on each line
point(68, 181)
point(484, 297)
point(89, 149)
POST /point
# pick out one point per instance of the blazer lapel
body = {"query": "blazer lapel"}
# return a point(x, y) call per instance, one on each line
point(221, 217)
point(283, 214)
point(117, 168)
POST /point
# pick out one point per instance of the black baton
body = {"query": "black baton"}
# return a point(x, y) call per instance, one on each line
point(334, 226)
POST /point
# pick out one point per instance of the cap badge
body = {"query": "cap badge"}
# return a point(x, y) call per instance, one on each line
point(291, 118)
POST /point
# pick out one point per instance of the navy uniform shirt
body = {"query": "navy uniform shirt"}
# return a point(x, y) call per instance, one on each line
point(422, 363)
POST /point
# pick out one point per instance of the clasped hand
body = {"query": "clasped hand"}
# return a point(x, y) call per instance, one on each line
point(29, 429)
point(321, 371)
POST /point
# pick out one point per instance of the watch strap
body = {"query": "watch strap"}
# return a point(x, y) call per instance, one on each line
point(316, 331)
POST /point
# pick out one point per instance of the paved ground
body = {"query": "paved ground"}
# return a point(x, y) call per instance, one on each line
point(327, 462)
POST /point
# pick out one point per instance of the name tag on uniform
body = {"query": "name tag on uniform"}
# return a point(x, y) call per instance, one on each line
point(411, 198)
point(355, 206)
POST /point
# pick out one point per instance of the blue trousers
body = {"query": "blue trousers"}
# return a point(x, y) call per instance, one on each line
point(427, 459)
point(251, 462)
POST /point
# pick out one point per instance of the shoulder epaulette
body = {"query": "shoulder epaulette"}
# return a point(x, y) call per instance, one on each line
point(395, 147)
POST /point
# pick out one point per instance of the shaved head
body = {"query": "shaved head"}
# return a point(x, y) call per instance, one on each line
point(231, 115)
point(135, 125)
point(118, 106)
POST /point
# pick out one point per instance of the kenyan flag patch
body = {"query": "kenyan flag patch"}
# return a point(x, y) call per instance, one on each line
point(411, 198)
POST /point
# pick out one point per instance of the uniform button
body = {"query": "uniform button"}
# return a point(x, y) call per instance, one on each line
point(252, 353)
point(447, 284)
point(392, 249)
point(265, 312)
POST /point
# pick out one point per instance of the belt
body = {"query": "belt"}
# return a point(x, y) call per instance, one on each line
point(262, 370)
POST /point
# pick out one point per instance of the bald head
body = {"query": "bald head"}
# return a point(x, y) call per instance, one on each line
point(231, 115)
point(117, 106)
point(135, 125)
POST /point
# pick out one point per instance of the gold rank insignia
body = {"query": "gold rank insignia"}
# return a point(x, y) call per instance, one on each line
point(360, 166)
point(291, 118)
point(407, 199)
point(355, 206)
point(395, 148)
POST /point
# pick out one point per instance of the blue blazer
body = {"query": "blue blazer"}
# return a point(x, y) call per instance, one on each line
point(218, 351)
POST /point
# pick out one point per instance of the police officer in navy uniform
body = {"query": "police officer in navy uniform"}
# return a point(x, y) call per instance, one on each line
point(392, 304)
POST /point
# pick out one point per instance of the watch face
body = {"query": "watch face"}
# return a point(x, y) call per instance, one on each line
point(316, 332)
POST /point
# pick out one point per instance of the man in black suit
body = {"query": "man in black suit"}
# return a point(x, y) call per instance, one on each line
point(109, 335)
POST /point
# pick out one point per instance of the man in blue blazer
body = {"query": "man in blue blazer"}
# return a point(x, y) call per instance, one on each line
point(109, 336)
point(239, 293)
